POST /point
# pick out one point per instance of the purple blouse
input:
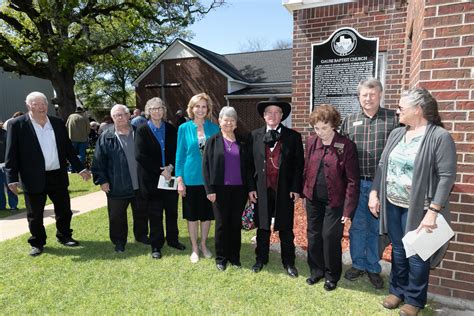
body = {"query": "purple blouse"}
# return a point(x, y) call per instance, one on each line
point(232, 174)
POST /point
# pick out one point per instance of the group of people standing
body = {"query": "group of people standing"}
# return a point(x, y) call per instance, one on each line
point(385, 178)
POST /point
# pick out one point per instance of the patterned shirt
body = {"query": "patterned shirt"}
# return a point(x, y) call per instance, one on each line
point(400, 171)
point(369, 135)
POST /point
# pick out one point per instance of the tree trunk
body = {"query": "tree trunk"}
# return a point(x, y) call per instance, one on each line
point(63, 84)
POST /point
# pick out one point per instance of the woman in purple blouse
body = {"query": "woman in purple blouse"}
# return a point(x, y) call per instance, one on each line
point(225, 180)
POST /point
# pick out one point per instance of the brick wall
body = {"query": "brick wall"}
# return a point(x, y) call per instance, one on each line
point(195, 77)
point(428, 43)
point(445, 64)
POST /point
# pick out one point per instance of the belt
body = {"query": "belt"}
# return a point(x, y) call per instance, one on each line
point(366, 178)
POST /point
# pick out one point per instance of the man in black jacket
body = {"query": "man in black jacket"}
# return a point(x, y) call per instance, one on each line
point(278, 168)
point(115, 169)
point(38, 149)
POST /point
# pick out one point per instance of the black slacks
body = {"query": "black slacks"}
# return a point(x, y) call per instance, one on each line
point(168, 202)
point(228, 208)
point(324, 240)
point(287, 238)
point(35, 203)
point(118, 225)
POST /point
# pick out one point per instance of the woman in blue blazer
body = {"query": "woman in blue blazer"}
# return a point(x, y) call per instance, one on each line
point(192, 136)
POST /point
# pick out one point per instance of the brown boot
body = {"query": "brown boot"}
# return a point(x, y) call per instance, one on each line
point(409, 310)
point(391, 301)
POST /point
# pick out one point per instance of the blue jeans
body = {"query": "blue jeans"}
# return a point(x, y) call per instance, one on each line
point(80, 148)
point(364, 234)
point(409, 276)
point(12, 197)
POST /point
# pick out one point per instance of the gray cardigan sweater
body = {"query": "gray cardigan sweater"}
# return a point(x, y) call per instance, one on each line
point(434, 175)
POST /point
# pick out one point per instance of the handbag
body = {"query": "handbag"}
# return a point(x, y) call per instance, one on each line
point(248, 222)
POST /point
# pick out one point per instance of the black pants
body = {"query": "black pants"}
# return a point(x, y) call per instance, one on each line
point(287, 238)
point(324, 240)
point(118, 225)
point(154, 206)
point(35, 203)
point(228, 208)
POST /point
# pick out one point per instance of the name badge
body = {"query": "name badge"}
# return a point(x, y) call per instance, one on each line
point(339, 147)
point(357, 123)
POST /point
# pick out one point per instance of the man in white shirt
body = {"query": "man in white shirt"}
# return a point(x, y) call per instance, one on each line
point(38, 148)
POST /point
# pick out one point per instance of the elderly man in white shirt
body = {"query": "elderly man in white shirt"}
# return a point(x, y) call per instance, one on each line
point(38, 148)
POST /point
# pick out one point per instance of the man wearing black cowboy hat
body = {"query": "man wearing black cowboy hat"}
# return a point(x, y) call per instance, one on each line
point(278, 160)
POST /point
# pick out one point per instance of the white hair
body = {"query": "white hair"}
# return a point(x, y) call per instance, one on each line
point(228, 111)
point(118, 107)
point(35, 95)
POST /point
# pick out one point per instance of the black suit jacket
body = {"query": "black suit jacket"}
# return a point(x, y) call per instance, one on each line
point(148, 155)
point(290, 177)
point(213, 163)
point(24, 157)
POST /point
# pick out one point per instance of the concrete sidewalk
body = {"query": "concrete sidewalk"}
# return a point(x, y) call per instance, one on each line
point(16, 225)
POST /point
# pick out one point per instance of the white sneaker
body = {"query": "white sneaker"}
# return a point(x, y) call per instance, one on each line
point(207, 254)
point(194, 257)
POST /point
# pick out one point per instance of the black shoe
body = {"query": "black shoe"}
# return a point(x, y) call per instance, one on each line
point(68, 242)
point(313, 280)
point(144, 240)
point(353, 274)
point(156, 253)
point(329, 285)
point(291, 270)
point(376, 280)
point(36, 251)
point(221, 266)
point(177, 245)
point(236, 264)
point(257, 267)
point(119, 248)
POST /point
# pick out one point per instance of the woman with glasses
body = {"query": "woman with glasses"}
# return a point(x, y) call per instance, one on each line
point(155, 151)
point(414, 179)
point(331, 189)
point(192, 137)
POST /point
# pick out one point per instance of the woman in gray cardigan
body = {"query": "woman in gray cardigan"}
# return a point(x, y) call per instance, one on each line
point(414, 178)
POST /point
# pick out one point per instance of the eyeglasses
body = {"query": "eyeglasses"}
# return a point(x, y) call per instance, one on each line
point(160, 108)
point(119, 115)
point(272, 112)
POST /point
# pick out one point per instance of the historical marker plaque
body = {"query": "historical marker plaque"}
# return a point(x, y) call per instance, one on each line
point(338, 64)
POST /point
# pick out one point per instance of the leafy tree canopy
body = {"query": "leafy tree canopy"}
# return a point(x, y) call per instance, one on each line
point(50, 38)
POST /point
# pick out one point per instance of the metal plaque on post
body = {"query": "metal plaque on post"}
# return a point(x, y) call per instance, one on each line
point(338, 64)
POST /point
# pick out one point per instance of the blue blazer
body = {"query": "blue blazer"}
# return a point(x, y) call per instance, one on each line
point(188, 155)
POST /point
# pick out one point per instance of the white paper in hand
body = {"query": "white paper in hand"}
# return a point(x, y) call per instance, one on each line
point(170, 184)
point(426, 244)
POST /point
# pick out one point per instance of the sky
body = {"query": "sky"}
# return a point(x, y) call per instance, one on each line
point(229, 28)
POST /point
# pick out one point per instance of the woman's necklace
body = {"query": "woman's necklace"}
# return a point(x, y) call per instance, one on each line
point(228, 145)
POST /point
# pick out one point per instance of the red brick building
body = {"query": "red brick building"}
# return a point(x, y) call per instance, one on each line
point(239, 80)
point(425, 43)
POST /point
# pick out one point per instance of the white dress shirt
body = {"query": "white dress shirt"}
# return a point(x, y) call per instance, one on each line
point(47, 141)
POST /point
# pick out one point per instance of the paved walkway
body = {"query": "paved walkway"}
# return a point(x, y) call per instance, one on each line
point(16, 225)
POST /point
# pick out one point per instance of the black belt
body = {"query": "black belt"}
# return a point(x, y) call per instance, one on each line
point(365, 178)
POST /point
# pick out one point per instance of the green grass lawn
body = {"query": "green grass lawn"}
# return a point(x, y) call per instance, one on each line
point(94, 280)
point(77, 187)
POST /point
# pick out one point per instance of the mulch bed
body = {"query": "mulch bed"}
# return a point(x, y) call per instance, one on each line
point(300, 232)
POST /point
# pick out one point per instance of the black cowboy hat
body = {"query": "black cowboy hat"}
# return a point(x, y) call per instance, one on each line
point(284, 106)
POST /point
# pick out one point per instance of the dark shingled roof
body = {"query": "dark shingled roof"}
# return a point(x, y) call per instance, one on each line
point(253, 67)
point(268, 90)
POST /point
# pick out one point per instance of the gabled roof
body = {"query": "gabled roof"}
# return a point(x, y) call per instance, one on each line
point(252, 67)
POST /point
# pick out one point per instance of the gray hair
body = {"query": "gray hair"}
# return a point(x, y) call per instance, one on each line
point(35, 95)
point(370, 83)
point(155, 101)
point(229, 112)
point(118, 107)
point(428, 104)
